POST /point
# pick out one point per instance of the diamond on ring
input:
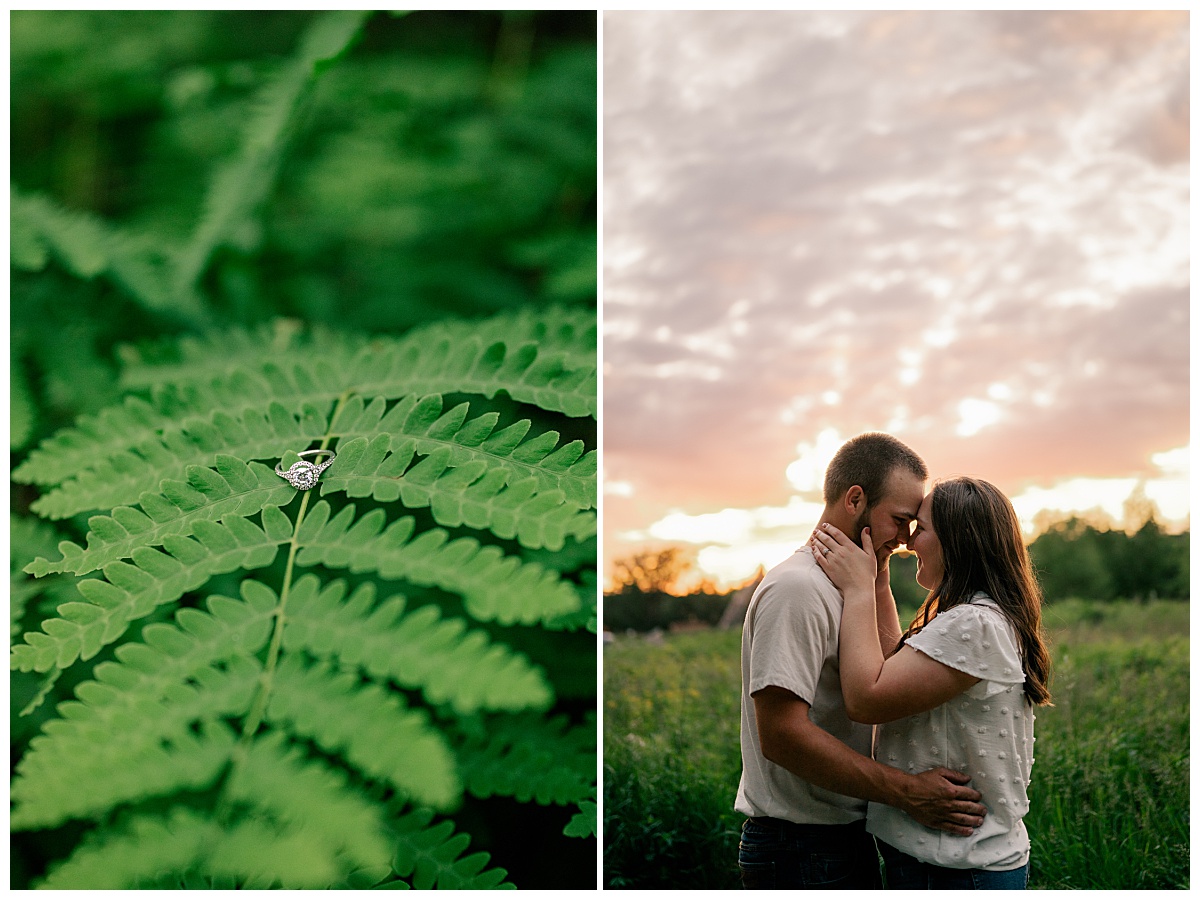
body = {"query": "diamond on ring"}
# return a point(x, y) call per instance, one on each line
point(303, 475)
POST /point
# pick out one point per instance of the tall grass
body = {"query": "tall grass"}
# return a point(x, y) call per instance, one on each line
point(671, 762)
point(1110, 789)
point(1110, 794)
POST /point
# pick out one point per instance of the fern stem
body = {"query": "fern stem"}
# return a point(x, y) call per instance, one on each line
point(255, 717)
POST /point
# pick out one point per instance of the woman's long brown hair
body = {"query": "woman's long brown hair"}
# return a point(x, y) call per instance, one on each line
point(982, 550)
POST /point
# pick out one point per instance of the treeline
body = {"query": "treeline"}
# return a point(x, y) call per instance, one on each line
point(1072, 559)
point(633, 610)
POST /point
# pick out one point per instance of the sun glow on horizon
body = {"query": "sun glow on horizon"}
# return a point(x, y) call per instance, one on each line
point(733, 543)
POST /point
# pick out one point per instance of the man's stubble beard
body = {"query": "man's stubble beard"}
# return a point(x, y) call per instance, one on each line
point(863, 521)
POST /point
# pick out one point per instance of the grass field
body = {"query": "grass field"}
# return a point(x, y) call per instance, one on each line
point(1110, 792)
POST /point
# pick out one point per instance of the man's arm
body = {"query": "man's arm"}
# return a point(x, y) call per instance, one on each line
point(938, 798)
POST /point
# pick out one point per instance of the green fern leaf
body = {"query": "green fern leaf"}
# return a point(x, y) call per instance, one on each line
point(416, 649)
point(420, 426)
point(22, 411)
point(130, 591)
point(310, 796)
point(104, 442)
point(235, 489)
point(147, 769)
point(367, 725)
point(527, 373)
point(241, 185)
point(532, 758)
point(494, 587)
point(569, 331)
point(87, 247)
point(470, 493)
point(148, 846)
point(127, 476)
point(29, 538)
point(74, 449)
point(78, 748)
point(583, 823)
point(194, 359)
point(429, 857)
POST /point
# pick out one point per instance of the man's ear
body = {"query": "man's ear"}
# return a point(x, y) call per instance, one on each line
point(855, 500)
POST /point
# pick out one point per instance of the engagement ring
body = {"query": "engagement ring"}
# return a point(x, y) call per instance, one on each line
point(303, 475)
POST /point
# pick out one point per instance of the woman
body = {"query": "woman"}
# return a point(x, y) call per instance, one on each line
point(960, 688)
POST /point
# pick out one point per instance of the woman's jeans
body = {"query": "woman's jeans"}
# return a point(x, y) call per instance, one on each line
point(778, 854)
point(903, 872)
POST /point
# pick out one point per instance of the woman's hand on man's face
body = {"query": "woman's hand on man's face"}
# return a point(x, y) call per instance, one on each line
point(847, 565)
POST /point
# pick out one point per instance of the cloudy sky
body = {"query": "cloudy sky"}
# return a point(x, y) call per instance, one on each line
point(969, 229)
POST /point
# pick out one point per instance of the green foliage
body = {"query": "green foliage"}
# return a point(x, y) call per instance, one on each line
point(344, 230)
point(631, 610)
point(672, 762)
point(1110, 799)
point(1077, 560)
point(1111, 784)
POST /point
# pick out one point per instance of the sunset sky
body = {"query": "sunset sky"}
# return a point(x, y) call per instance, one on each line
point(969, 229)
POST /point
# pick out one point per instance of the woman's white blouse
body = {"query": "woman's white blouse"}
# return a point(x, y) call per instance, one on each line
point(985, 732)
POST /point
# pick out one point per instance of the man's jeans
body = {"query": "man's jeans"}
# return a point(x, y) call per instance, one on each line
point(778, 854)
point(903, 872)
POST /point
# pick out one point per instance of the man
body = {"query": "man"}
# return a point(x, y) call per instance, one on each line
point(807, 770)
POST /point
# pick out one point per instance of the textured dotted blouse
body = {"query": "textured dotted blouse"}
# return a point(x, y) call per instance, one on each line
point(986, 732)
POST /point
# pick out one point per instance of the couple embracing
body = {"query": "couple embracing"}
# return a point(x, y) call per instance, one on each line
point(940, 787)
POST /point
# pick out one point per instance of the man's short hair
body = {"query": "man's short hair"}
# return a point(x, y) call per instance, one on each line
point(868, 461)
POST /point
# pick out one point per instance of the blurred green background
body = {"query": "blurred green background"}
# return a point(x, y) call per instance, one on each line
point(445, 166)
point(165, 184)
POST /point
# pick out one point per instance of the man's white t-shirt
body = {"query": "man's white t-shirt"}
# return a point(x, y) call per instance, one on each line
point(790, 640)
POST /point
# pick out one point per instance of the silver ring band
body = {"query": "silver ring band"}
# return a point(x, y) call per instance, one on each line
point(303, 475)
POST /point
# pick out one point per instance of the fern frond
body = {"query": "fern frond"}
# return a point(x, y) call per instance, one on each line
point(310, 796)
point(416, 649)
point(102, 482)
point(22, 407)
point(470, 494)
point(177, 417)
point(368, 726)
point(46, 794)
point(195, 359)
point(149, 846)
point(527, 373)
point(392, 371)
point(570, 331)
point(234, 489)
point(130, 591)
point(28, 538)
point(170, 681)
point(585, 616)
point(583, 823)
point(419, 425)
point(88, 247)
point(92, 437)
point(240, 186)
point(528, 757)
point(429, 857)
point(494, 587)
point(94, 476)
point(125, 476)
